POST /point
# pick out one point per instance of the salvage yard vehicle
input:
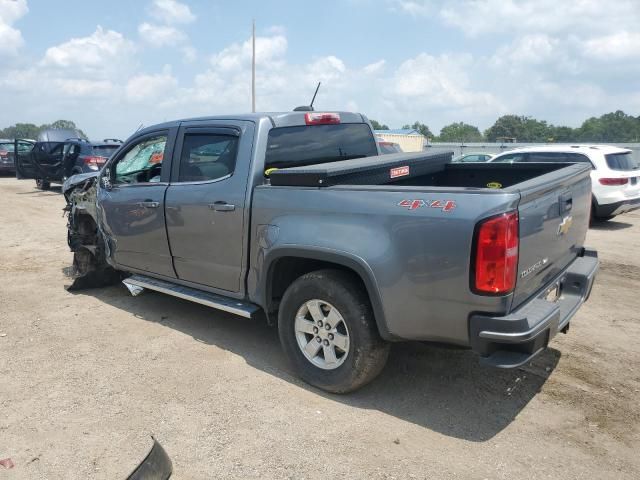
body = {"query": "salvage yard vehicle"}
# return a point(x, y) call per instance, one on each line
point(298, 218)
point(615, 173)
point(61, 153)
point(7, 155)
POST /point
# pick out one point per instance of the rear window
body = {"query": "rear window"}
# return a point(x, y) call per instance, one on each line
point(308, 145)
point(622, 161)
point(104, 150)
point(510, 158)
point(8, 147)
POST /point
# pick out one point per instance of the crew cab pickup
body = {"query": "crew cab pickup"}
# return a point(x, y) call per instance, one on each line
point(297, 217)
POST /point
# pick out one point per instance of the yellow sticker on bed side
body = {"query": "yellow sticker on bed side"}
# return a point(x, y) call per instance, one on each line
point(268, 171)
point(494, 185)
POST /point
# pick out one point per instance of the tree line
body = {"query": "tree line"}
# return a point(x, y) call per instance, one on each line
point(31, 130)
point(611, 127)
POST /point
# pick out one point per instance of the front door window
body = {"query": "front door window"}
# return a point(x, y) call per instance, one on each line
point(143, 162)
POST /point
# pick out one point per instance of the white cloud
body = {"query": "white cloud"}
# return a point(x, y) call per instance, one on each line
point(161, 35)
point(531, 49)
point(83, 87)
point(475, 17)
point(102, 52)
point(617, 46)
point(144, 87)
point(270, 51)
point(171, 12)
point(414, 7)
point(164, 33)
point(11, 38)
point(440, 82)
point(375, 68)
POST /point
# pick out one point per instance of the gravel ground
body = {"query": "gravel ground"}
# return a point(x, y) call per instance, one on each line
point(86, 378)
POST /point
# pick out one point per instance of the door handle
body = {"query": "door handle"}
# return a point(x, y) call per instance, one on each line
point(149, 204)
point(566, 203)
point(222, 207)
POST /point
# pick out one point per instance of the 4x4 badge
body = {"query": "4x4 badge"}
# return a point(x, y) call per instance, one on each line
point(444, 205)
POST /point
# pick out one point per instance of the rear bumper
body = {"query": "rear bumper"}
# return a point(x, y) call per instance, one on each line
point(616, 208)
point(512, 340)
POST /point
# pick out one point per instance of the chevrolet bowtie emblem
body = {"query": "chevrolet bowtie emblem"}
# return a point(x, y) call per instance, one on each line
point(565, 225)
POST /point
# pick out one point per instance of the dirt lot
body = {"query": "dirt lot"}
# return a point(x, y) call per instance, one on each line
point(86, 378)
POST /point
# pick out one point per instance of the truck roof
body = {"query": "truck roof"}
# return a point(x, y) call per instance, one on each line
point(278, 119)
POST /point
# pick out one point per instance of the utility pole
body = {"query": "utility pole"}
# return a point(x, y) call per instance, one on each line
point(253, 69)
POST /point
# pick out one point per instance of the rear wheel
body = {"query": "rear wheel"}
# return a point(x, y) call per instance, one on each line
point(42, 184)
point(328, 332)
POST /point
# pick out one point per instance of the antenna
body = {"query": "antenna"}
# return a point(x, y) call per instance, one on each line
point(308, 108)
point(314, 95)
point(253, 69)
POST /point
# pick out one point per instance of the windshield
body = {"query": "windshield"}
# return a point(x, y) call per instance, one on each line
point(311, 144)
point(622, 161)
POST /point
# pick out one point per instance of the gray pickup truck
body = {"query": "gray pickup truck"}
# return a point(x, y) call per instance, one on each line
point(297, 217)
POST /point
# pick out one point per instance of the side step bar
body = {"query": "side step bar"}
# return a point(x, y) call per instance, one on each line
point(137, 283)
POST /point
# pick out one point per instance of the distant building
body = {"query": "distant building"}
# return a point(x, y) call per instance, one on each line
point(410, 140)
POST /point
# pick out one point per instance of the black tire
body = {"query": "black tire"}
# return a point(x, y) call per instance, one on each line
point(42, 184)
point(367, 353)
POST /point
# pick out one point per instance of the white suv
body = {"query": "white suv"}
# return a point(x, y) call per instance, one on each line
point(615, 178)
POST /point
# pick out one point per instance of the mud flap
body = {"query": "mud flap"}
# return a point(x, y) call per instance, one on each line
point(156, 465)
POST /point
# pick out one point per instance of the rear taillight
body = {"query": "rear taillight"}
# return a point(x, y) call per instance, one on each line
point(496, 255)
point(95, 161)
point(4, 153)
point(613, 181)
point(313, 118)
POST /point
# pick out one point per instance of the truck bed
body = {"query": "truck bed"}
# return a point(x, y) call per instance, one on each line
point(414, 170)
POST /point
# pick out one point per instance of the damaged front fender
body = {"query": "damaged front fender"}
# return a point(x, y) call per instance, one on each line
point(90, 266)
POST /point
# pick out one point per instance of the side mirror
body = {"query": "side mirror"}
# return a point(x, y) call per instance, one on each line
point(105, 179)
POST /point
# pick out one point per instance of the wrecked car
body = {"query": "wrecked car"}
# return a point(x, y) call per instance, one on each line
point(297, 217)
point(60, 153)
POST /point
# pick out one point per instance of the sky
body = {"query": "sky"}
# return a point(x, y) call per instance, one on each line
point(111, 66)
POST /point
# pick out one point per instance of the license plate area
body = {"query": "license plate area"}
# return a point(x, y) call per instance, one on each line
point(634, 180)
point(553, 294)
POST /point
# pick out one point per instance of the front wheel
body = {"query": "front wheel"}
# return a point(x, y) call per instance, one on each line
point(42, 184)
point(328, 332)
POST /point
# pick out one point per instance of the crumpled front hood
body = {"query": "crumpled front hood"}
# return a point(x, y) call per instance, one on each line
point(75, 180)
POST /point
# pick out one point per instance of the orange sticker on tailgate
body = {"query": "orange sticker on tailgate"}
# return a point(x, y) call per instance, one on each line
point(399, 172)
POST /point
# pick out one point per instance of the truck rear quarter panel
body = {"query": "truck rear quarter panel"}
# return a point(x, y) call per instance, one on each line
point(416, 253)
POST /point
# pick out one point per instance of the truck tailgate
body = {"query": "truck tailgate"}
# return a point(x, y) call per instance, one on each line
point(554, 212)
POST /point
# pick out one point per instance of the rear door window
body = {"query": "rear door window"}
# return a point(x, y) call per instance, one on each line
point(547, 157)
point(557, 157)
point(622, 161)
point(312, 144)
point(511, 158)
point(207, 157)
